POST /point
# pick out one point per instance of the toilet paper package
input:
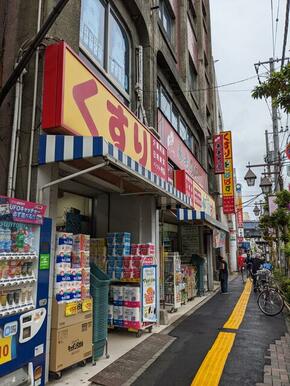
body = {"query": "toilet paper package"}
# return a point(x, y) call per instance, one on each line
point(110, 314)
point(132, 297)
point(118, 295)
point(132, 317)
point(118, 317)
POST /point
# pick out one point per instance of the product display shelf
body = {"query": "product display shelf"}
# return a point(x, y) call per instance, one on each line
point(17, 282)
point(144, 326)
point(17, 256)
point(17, 309)
point(173, 281)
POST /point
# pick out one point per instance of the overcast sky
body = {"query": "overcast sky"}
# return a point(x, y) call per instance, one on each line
point(242, 36)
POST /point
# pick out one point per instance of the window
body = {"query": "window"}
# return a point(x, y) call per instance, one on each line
point(92, 34)
point(193, 80)
point(97, 22)
point(166, 18)
point(167, 107)
point(118, 53)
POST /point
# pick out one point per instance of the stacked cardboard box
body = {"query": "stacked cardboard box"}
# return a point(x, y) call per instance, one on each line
point(71, 334)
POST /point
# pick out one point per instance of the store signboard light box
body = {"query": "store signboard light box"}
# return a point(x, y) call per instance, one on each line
point(76, 102)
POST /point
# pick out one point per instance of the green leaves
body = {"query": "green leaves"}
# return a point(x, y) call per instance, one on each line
point(277, 87)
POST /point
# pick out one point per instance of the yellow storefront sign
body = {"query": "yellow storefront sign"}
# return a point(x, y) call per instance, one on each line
point(76, 102)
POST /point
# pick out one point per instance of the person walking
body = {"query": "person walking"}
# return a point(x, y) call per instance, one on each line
point(223, 274)
point(256, 264)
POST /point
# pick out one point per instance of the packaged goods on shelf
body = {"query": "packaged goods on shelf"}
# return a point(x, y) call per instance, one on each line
point(118, 315)
point(132, 296)
point(110, 314)
point(72, 272)
point(143, 249)
point(81, 242)
point(118, 295)
point(132, 317)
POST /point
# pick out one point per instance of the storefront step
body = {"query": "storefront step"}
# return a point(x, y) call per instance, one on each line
point(127, 368)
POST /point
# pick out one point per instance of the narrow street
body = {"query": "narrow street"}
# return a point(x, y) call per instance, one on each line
point(195, 336)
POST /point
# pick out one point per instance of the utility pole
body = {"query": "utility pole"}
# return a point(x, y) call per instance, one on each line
point(268, 161)
point(277, 166)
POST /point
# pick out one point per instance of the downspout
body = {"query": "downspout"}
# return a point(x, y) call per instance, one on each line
point(17, 134)
point(13, 154)
point(33, 106)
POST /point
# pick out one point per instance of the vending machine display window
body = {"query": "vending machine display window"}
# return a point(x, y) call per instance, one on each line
point(19, 249)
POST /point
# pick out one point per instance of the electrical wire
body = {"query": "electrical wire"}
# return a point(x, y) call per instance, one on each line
point(285, 32)
point(265, 99)
point(272, 25)
point(276, 30)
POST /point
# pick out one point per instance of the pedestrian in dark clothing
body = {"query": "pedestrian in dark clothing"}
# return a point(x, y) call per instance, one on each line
point(223, 274)
point(256, 264)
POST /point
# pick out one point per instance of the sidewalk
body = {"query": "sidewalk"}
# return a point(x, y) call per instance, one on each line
point(277, 368)
point(121, 342)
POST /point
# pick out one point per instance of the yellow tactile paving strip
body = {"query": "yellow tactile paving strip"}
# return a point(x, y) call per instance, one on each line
point(238, 313)
point(212, 367)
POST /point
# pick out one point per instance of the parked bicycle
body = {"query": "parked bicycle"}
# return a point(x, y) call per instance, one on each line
point(271, 301)
point(262, 279)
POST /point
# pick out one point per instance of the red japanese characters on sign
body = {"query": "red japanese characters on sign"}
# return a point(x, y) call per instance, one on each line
point(218, 149)
point(178, 152)
point(159, 160)
point(228, 205)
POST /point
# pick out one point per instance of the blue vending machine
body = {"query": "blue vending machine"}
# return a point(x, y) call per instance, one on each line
point(25, 244)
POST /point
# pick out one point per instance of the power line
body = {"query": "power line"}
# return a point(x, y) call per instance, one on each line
point(272, 25)
point(285, 32)
point(276, 30)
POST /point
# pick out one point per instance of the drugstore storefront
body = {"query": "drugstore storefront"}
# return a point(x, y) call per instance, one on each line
point(102, 174)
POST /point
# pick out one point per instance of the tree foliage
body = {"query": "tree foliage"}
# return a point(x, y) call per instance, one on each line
point(277, 87)
point(279, 219)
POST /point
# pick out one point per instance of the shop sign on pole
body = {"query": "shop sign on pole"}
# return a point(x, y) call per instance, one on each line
point(76, 102)
point(149, 293)
point(218, 151)
point(228, 176)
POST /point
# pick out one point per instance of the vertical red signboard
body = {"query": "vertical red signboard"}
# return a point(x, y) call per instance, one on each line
point(218, 149)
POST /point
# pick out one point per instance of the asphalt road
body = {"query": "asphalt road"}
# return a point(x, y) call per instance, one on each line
point(178, 365)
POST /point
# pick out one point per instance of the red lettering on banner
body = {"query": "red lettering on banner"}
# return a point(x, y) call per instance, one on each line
point(117, 124)
point(139, 147)
point(81, 92)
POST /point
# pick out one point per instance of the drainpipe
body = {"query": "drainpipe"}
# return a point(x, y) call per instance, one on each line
point(15, 127)
point(33, 106)
point(18, 134)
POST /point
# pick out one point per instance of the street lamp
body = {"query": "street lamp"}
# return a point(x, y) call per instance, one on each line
point(266, 185)
point(250, 177)
point(256, 210)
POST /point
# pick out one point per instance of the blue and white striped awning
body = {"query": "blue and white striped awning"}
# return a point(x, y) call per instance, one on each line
point(192, 215)
point(61, 148)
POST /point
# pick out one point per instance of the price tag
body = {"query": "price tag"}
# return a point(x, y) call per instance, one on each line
point(5, 350)
point(71, 309)
point(87, 305)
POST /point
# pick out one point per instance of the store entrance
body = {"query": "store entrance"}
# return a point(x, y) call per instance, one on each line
point(74, 213)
